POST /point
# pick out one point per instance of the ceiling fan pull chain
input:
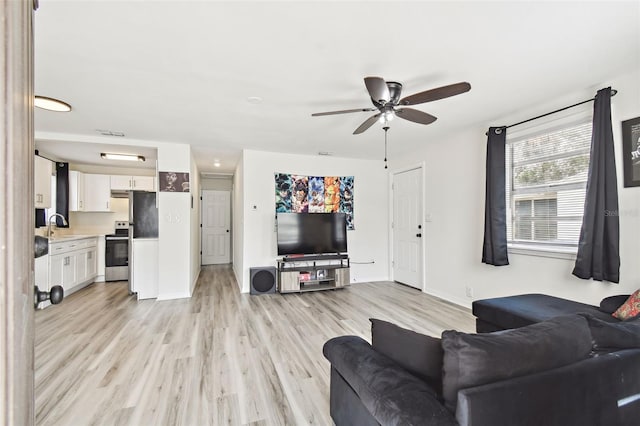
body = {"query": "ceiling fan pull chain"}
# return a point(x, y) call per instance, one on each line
point(385, 128)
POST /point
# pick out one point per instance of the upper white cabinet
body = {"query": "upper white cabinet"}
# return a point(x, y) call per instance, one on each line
point(76, 191)
point(42, 182)
point(97, 193)
point(132, 183)
point(89, 192)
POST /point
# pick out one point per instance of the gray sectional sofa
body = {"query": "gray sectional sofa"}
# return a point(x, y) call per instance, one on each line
point(501, 313)
point(569, 370)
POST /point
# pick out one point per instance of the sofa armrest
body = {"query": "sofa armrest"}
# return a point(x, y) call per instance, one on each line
point(390, 393)
point(611, 304)
point(604, 390)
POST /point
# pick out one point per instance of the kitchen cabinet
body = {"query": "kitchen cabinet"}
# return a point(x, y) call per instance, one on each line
point(132, 183)
point(73, 263)
point(42, 171)
point(97, 193)
point(89, 192)
point(76, 191)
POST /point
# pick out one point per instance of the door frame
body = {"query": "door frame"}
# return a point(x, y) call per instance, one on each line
point(415, 166)
point(17, 311)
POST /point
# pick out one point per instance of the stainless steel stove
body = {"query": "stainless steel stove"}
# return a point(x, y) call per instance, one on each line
point(117, 253)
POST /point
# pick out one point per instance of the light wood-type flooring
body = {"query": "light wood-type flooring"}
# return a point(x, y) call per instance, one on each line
point(220, 357)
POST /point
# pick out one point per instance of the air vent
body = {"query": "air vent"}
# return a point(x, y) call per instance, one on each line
point(109, 133)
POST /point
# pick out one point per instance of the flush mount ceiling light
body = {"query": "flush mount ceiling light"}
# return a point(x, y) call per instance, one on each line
point(216, 163)
point(254, 100)
point(51, 104)
point(123, 157)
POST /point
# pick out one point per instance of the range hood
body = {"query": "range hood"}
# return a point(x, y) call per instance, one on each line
point(119, 193)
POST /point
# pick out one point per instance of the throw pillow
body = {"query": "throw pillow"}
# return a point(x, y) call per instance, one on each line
point(417, 353)
point(619, 335)
point(610, 304)
point(476, 359)
point(630, 308)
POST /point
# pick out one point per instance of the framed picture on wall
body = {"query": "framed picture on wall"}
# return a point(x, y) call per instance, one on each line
point(173, 182)
point(631, 151)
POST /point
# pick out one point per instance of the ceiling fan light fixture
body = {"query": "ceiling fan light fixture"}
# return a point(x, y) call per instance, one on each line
point(386, 116)
point(51, 104)
point(121, 157)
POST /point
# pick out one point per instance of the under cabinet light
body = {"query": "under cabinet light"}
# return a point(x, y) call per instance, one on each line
point(124, 157)
point(51, 104)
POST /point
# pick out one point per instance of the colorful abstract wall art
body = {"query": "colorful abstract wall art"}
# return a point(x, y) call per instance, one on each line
point(315, 194)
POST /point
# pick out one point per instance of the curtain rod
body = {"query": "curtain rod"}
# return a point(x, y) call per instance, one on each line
point(499, 129)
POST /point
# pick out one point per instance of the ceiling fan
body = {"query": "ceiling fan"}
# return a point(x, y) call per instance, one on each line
point(385, 96)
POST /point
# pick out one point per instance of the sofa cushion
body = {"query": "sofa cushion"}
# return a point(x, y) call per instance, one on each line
point(389, 392)
point(614, 336)
point(630, 308)
point(610, 304)
point(476, 359)
point(525, 309)
point(418, 353)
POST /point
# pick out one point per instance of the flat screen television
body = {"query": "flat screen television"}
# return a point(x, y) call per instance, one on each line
point(312, 233)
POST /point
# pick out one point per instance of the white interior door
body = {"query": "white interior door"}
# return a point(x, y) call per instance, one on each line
point(407, 227)
point(216, 227)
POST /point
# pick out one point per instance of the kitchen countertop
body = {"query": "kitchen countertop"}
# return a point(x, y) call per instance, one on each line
point(64, 238)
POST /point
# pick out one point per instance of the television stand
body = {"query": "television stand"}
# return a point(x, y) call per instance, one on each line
point(313, 273)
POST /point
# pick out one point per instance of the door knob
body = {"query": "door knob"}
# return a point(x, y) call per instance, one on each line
point(418, 235)
point(55, 295)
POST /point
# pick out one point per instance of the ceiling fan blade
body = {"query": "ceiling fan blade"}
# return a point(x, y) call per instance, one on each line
point(377, 89)
point(346, 111)
point(435, 94)
point(415, 115)
point(368, 123)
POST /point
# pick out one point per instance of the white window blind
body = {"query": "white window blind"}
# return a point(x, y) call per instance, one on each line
point(545, 186)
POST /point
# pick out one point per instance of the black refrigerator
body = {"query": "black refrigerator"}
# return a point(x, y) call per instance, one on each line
point(143, 223)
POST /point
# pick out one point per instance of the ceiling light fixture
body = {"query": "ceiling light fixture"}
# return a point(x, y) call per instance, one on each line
point(216, 164)
point(123, 157)
point(387, 114)
point(51, 104)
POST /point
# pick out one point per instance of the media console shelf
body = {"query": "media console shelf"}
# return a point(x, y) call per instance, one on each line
point(313, 273)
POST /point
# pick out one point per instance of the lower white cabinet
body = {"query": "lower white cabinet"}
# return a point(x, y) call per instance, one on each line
point(73, 263)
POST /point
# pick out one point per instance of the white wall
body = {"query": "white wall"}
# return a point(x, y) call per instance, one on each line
point(454, 196)
point(194, 187)
point(237, 214)
point(174, 227)
point(98, 223)
point(368, 242)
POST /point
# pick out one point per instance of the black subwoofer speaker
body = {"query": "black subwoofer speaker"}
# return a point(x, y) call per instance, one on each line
point(263, 280)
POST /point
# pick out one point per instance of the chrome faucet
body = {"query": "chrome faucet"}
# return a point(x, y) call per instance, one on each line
point(64, 222)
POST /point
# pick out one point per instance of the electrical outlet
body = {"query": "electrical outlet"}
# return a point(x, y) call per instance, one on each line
point(469, 292)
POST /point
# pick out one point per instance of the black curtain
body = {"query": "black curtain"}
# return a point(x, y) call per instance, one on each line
point(62, 193)
point(494, 250)
point(598, 248)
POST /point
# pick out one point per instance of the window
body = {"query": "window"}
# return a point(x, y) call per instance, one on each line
point(546, 186)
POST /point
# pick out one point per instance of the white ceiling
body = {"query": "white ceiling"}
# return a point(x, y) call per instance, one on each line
point(182, 71)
